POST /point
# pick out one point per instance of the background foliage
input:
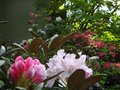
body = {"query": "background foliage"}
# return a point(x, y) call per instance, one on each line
point(66, 16)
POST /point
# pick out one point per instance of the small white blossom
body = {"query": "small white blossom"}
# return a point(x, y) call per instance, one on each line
point(69, 14)
point(93, 58)
point(58, 19)
point(43, 32)
point(30, 29)
point(2, 50)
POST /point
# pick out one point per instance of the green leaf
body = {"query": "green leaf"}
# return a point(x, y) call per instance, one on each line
point(19, 46)
point(52, 76)
point(34, 34)
point(77, 80)
point(1, 83)
point(20, 88)
point(2, 62)
point(11, 51)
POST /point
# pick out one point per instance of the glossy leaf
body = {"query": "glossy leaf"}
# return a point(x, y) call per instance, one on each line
point(35, 44)
point(68, 37)
point(77, 80)
point(59, 41)
point(55, 43)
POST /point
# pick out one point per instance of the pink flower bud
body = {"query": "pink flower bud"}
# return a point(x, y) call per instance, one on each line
point(40, 74)
point(29, 63)
point(13, 73)
point(30, 73)
point(36, 62)
point(20, 67)
point(27, 69)
point(19, 58)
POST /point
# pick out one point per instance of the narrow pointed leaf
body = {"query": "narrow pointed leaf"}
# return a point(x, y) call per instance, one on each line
point(19, 46)
point(52, 76)
point(34, 34)
point(11, 51)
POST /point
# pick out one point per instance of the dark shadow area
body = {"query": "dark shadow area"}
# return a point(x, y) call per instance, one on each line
point(16, 12)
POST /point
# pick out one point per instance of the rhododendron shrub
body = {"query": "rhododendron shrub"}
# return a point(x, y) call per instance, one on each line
point(67, 63)
point(23, 72)
point(107, 52)
point(83, 39)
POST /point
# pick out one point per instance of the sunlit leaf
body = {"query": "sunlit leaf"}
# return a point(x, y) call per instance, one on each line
point(2, 62)
point(19, 46)
point(1, 83)
point(20, 88)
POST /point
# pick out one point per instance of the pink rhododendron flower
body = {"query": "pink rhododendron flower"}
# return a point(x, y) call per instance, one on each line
point(98, 44)
point(107, 65)
point(111, 46)
point(67, 63)
point(27, 69)
point(116, 66)
point(83, 39)
point(113, 54)
point(89, 33)
point(78, 35)
point(101, 54)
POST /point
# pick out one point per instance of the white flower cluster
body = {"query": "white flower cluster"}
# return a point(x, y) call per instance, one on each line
point(67, 63)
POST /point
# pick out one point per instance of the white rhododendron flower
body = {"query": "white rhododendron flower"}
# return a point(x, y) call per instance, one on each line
point(68, 63)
